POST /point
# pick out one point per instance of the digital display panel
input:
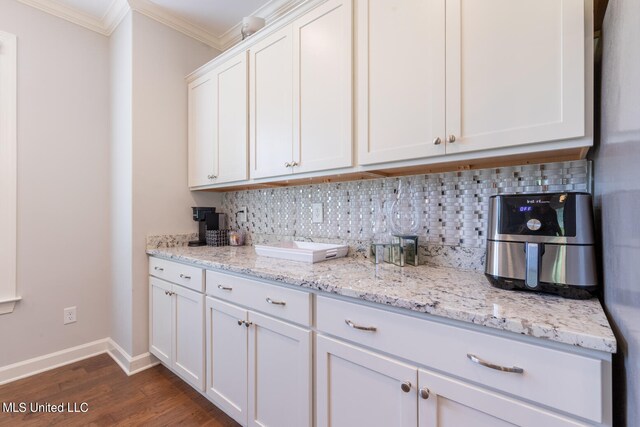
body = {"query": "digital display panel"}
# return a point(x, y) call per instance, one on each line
point(538, 215)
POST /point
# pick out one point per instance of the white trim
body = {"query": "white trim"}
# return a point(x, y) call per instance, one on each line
point(8, 172)
point(130, 365)
point(50, 361)
point(118, 9)
point(115, 14)
point(161, 15)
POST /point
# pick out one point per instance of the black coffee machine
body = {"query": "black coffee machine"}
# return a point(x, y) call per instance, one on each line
point(207, 219)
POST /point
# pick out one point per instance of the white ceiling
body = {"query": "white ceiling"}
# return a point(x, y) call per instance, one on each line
point(215, 22)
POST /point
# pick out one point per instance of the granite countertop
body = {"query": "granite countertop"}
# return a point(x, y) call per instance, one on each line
point(452, 293)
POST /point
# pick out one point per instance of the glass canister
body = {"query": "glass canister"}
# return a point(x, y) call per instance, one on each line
point(236, 238)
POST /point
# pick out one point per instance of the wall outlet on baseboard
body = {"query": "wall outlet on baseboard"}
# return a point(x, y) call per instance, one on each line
point(69, 315)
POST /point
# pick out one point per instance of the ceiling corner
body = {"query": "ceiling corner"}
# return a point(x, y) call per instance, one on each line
point(116, 13)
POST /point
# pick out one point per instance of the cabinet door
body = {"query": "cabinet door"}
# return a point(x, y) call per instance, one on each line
point(445, 402)
point(231, 114)
point(323, 87)
point(271, 104)
point(203, 150)
point(226, 342)
point(160, 319)
point(188, 354)
point(401, 79)
point(280, 375)
point(355, 387)
point(508, 82)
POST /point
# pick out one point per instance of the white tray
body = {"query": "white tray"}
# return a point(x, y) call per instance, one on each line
point(302, 251)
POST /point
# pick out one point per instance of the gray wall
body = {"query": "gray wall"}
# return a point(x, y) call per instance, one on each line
point(617, 187)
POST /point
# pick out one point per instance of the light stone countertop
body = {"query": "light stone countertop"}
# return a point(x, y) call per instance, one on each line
point(451, 293)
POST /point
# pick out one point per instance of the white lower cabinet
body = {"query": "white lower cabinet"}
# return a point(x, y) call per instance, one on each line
point(447, 402)
point(176, 332)
point(358, 387)
point(355, 387)
point(258, 367)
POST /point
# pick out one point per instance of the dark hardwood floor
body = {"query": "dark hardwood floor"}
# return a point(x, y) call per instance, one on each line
point(155, 397)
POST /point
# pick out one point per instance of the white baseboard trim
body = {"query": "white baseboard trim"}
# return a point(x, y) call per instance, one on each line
point(54, 360)
point(130, 365)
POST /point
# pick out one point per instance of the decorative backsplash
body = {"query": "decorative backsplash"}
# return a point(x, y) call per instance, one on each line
point(453, 205)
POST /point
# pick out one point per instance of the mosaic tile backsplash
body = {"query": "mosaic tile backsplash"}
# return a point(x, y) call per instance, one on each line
point(452, 207)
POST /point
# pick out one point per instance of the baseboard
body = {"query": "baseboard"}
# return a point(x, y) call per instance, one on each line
point(130, 365)
point(54, 360)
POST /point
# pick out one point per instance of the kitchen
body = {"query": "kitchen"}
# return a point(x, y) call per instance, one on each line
point(408, 118)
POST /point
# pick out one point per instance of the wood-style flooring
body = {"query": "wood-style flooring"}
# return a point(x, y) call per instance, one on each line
point(154, 397)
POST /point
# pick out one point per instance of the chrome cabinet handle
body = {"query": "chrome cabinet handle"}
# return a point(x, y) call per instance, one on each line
point(437, 141)
point(212, 176)
point(240, 322)
point(166, 292)
point(184, 276)
point(247, 324)
point(270, 301)
point(424, 393)
point(287, 165)
point(158, 268)
point(451, 139)
point(169, 293)
point(361, 328)
point(293, 164)
point(405, 386)
point(476, 359)
point(224, 288)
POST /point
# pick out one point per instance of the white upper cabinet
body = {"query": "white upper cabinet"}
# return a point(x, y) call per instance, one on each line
point(323, 88)
point(515, 72)
point(203, 150)
point(231, 120)
point(400, 79)
point(507, 82)
point(218, 125)
point(271, 104)
point(301, 94)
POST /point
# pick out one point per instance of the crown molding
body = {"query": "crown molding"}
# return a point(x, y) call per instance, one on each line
point(159, 14)
point(271, 11)
point(68, 13)
point(115, 14)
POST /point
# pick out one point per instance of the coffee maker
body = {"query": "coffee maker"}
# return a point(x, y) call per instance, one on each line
point(207, 219)
point(542, 242)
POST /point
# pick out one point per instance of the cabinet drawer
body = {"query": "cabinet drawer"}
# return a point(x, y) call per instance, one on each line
point(287, 304)
point(181, 274)
point(565, 381)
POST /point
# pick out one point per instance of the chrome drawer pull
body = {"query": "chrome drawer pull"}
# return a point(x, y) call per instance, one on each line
point(476, 359)
point(224, 288)
point(184, 276)
point(158, 268)
point(362, 328)
point(270, 301)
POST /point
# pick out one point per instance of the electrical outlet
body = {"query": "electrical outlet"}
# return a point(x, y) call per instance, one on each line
point(317, 214)
point(69, 315)
point(242, 214)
